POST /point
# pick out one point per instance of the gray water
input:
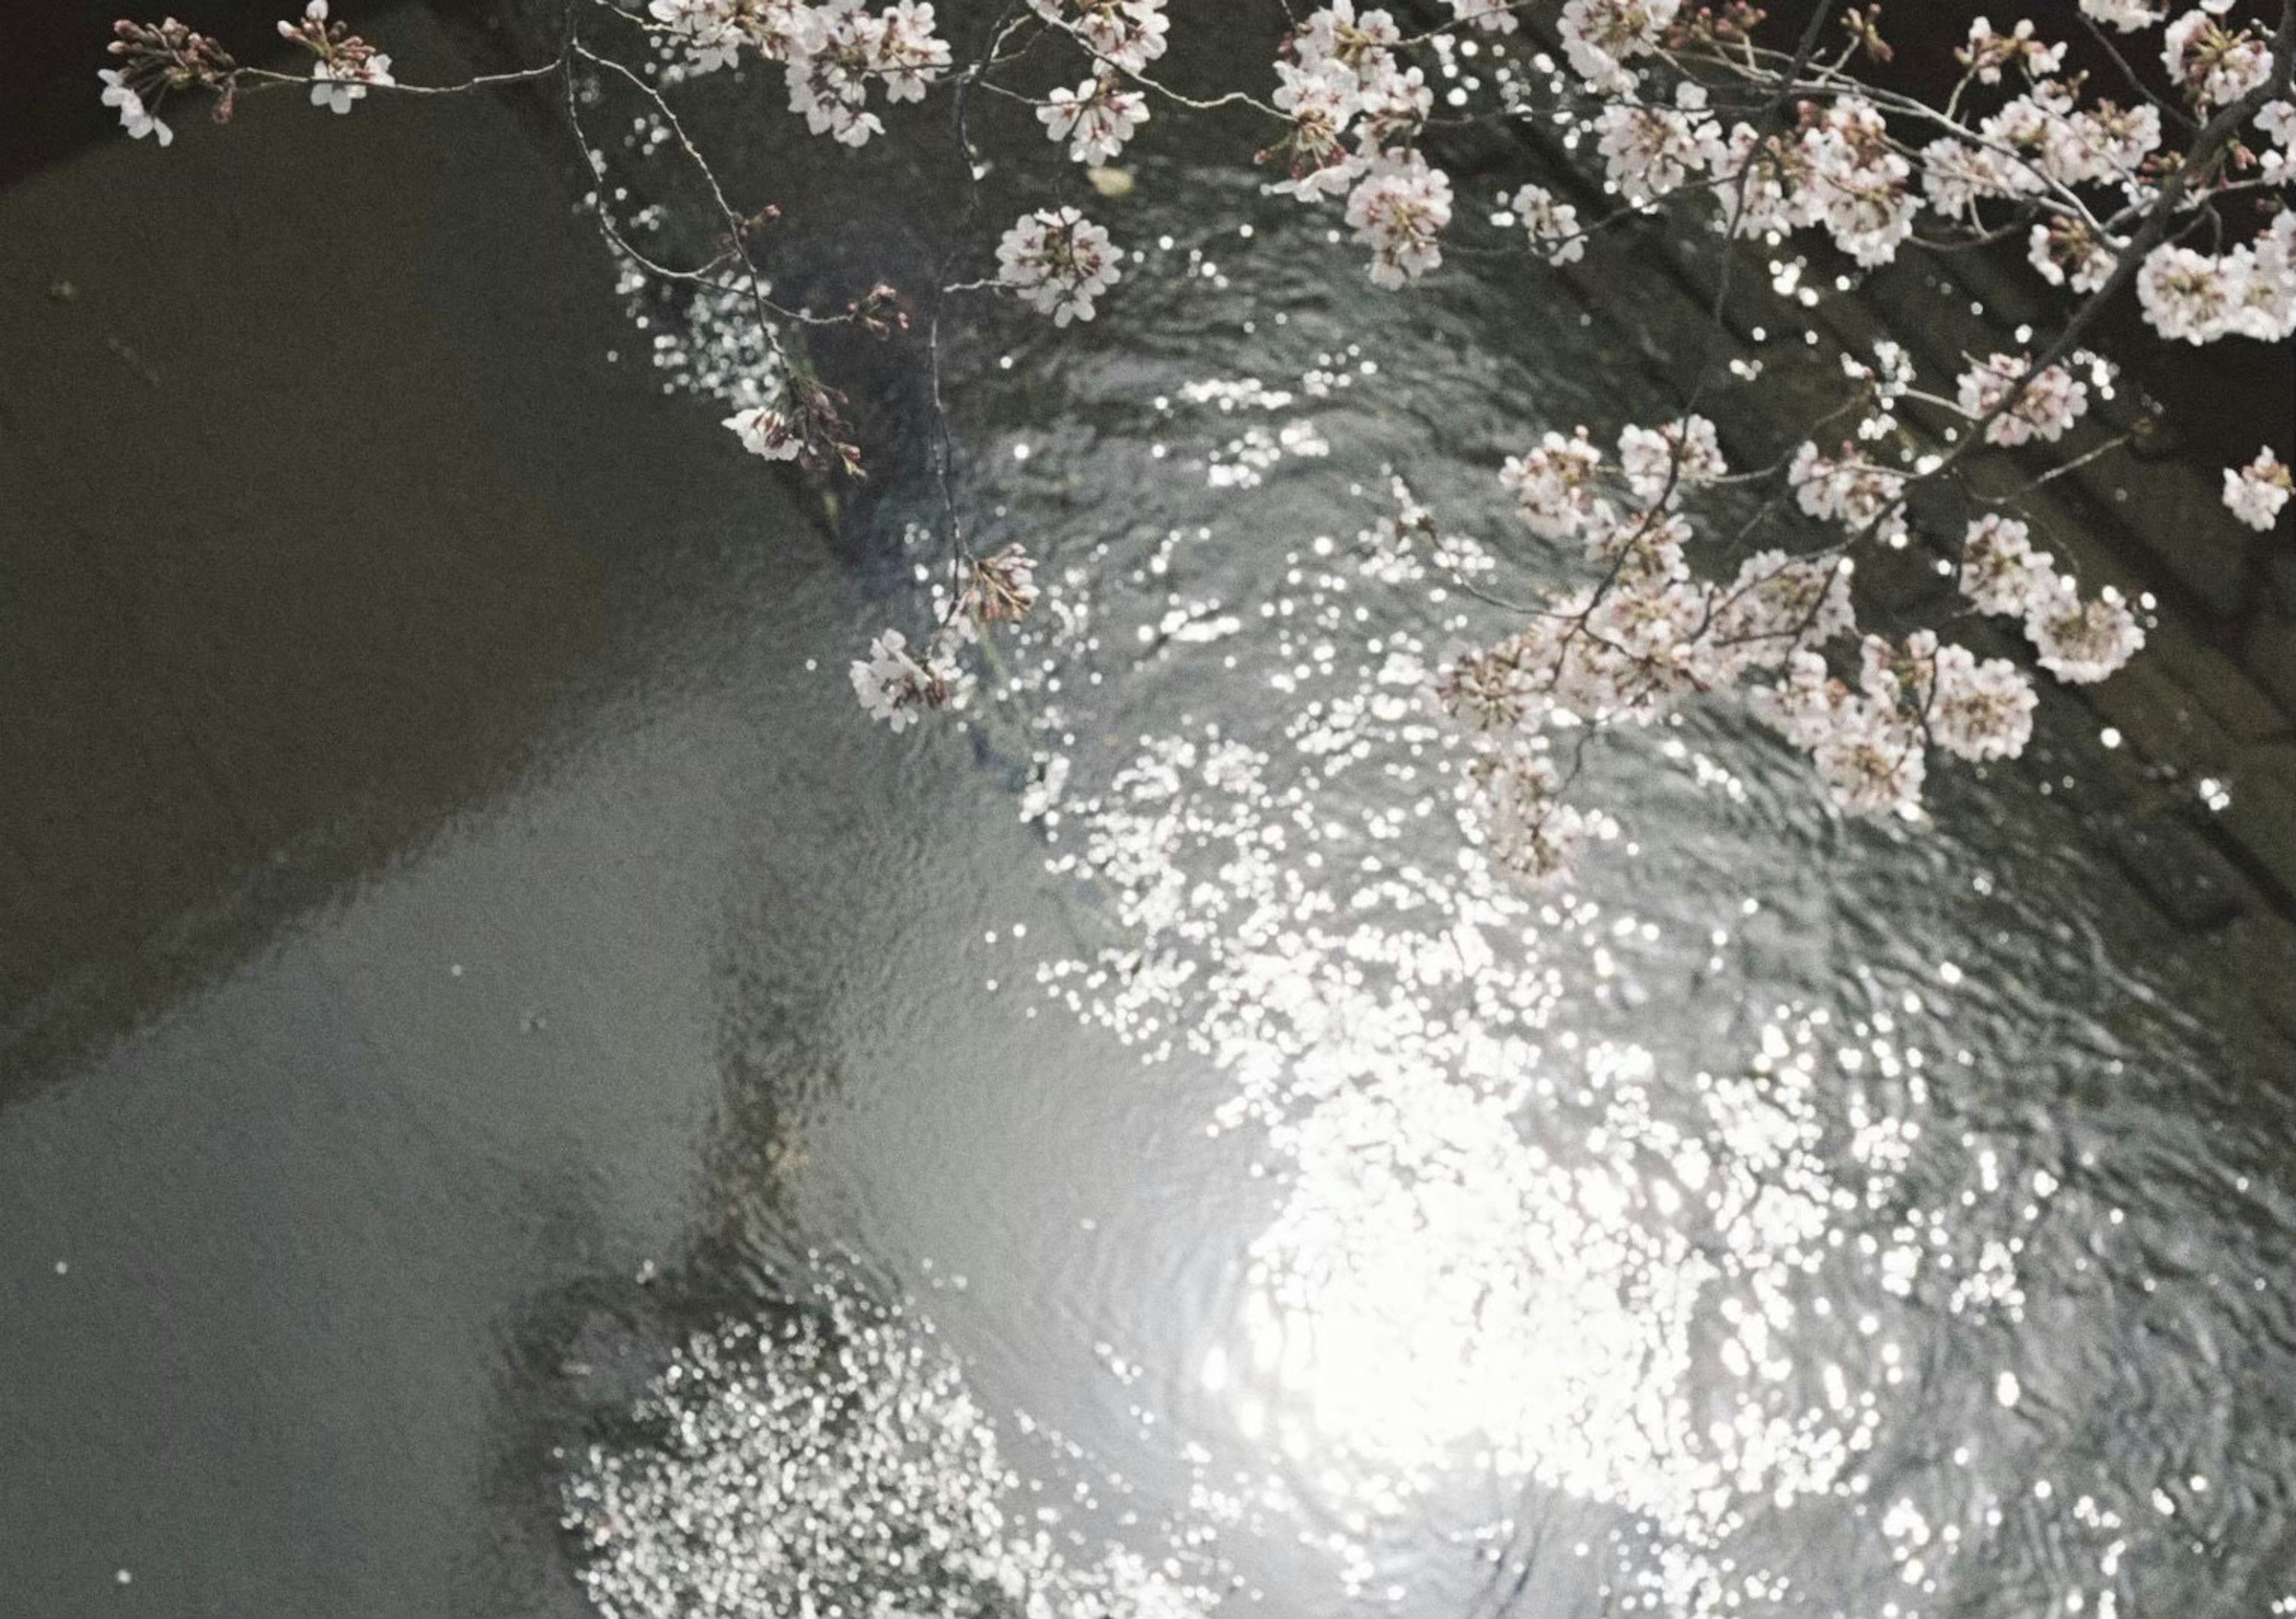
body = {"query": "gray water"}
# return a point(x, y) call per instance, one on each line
point(647, 1094)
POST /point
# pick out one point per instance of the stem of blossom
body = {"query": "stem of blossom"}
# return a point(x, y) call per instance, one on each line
point(2055, 472)
point(2167, 109)
point(943, 448)
point(734, 223)
point(1759, 154)
point(268, 78)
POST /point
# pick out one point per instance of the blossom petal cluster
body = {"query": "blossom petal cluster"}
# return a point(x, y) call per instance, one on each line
point(833, 52)
point(1125, 35)
point(766, 431)
point(1351, 112)
point(1096, 118)
point(1553, 224)
point(896, 684)
point(1059, 262)
point(346, 64)
point(2047, 404)
point(1864, 499)
point(2248, 290)
point(1400, 209)
point(2080, 640)
point(2255, 493)
point(134, 117)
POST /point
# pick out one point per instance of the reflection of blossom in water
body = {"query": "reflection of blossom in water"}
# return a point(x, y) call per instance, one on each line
point(832, 1462)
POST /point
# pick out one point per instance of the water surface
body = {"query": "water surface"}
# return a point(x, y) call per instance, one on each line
point(655, 1096)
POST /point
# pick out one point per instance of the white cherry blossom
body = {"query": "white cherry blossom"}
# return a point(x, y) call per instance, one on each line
point(767, 432)
point(2127, 15)
point(1957, 174)
point(1974, 709)
point(1866, 751)
point(1096, 118)
point(1492, 16)
point(335, 86)
point(2187, 294)
point(1059, 262)
point(1858, 181)
point(1322, 100)
point(708, 31)
point(1362, 43)
point(1553, 225)
point(2068, 253)
point(2050, 403)
point(1602, 36)
point(2256, 493)
point(1399, 209)
point(1126, 34)
point(2277, 120)
point(1861, 498)
point(908, 55)
point(2216, 64)
point(1776, 606)
point(1670, 460)
point(1649, 151)
point(1553, 484)
point(1989, 51)
point(894, 685)
point(2000, 571)
point(1515, 793)
point(2081, 641)
point(134, 117)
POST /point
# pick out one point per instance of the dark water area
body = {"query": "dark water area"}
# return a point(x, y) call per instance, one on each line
point(491, 1035)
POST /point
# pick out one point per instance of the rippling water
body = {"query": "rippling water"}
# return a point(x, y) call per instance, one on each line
point(1792, 1216)
point(1129, 1154)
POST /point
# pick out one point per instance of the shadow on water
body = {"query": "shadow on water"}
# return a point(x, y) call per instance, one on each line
point(577, 1360)
point(297, 567)
point(329, 1032)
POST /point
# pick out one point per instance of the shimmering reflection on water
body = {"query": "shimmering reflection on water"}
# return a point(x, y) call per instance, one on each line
point(1794, 1217)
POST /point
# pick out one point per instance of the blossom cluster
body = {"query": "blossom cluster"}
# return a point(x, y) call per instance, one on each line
point(1656, 630)
point(2255, 493)
point(896, 683)
point(1401, 207)
point(137, 119)
point(832, 52)
point(155, 60)
point(345, 64)
point(1123, 35)
point(1059, 262)
point(1096, 118)
point(1870, 742)
point(1351, 110)
point(802, 423)
point(2248, 290)
point(2080, 640)
point(2048, 402)
point(2079, 165)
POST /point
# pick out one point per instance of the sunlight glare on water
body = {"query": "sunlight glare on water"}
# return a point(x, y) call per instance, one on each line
point(1663, 1243)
